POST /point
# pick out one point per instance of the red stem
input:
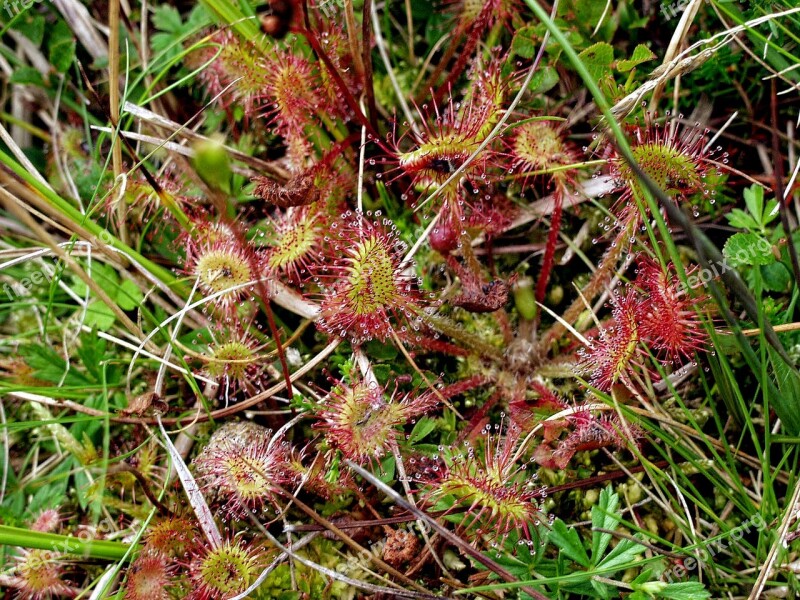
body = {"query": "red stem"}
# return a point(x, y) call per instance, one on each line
point(473, 37)
point(337, 78)
point(552, 240)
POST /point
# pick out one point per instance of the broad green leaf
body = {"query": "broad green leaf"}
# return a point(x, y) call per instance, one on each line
point(543, 80)
point(197, 18)
point(213, 164)
point(26, 76)
point(748, 249)
point(91, 352)
point(525, 42)
point(32, 27)
point(106, 277)
point(382, 373)
point(387, 469)
point(776, 277)
point(161, 44)
point(99, 315)
point(641, 54)
point(568, 542)
point(422, 429)
point(598, 59)
point(129, 296)
point(61, 47)
point(770, 212)
point(754, 200)
point(585, 14)
point(379, 351)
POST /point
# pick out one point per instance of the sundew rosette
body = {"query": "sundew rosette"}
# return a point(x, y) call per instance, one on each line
point(369, 291)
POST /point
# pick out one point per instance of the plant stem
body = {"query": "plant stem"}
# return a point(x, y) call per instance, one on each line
point(25, 538)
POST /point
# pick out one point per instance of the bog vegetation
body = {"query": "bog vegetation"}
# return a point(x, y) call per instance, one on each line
point(347, 299)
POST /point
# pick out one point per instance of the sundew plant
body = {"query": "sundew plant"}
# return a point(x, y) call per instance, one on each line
point(341, 299)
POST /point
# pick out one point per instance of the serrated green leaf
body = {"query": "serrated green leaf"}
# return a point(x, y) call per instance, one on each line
point(197, 18)
point(682, 590)
point(160, 43)
point(49, 366)
point(568, 542)
point(584, 12)
point(99, 315)
point(748, 249)
point(741, 220)
point(129, 296)
point(641, 54)
point(525, 42)
point(598, 59)
point(382, 373)
point(61, 47)
point(622, 554)
point(604, 516)
point(167, 18)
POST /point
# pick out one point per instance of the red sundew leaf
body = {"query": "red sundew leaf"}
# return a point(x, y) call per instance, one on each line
point(552, 429)
point(298, 191)
point(545, 456)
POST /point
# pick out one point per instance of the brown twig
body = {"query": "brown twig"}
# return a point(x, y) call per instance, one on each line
point(351, 102)
point(124, 467)
point(350, 542)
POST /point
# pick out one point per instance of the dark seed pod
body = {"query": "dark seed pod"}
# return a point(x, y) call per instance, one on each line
point(278, 22)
